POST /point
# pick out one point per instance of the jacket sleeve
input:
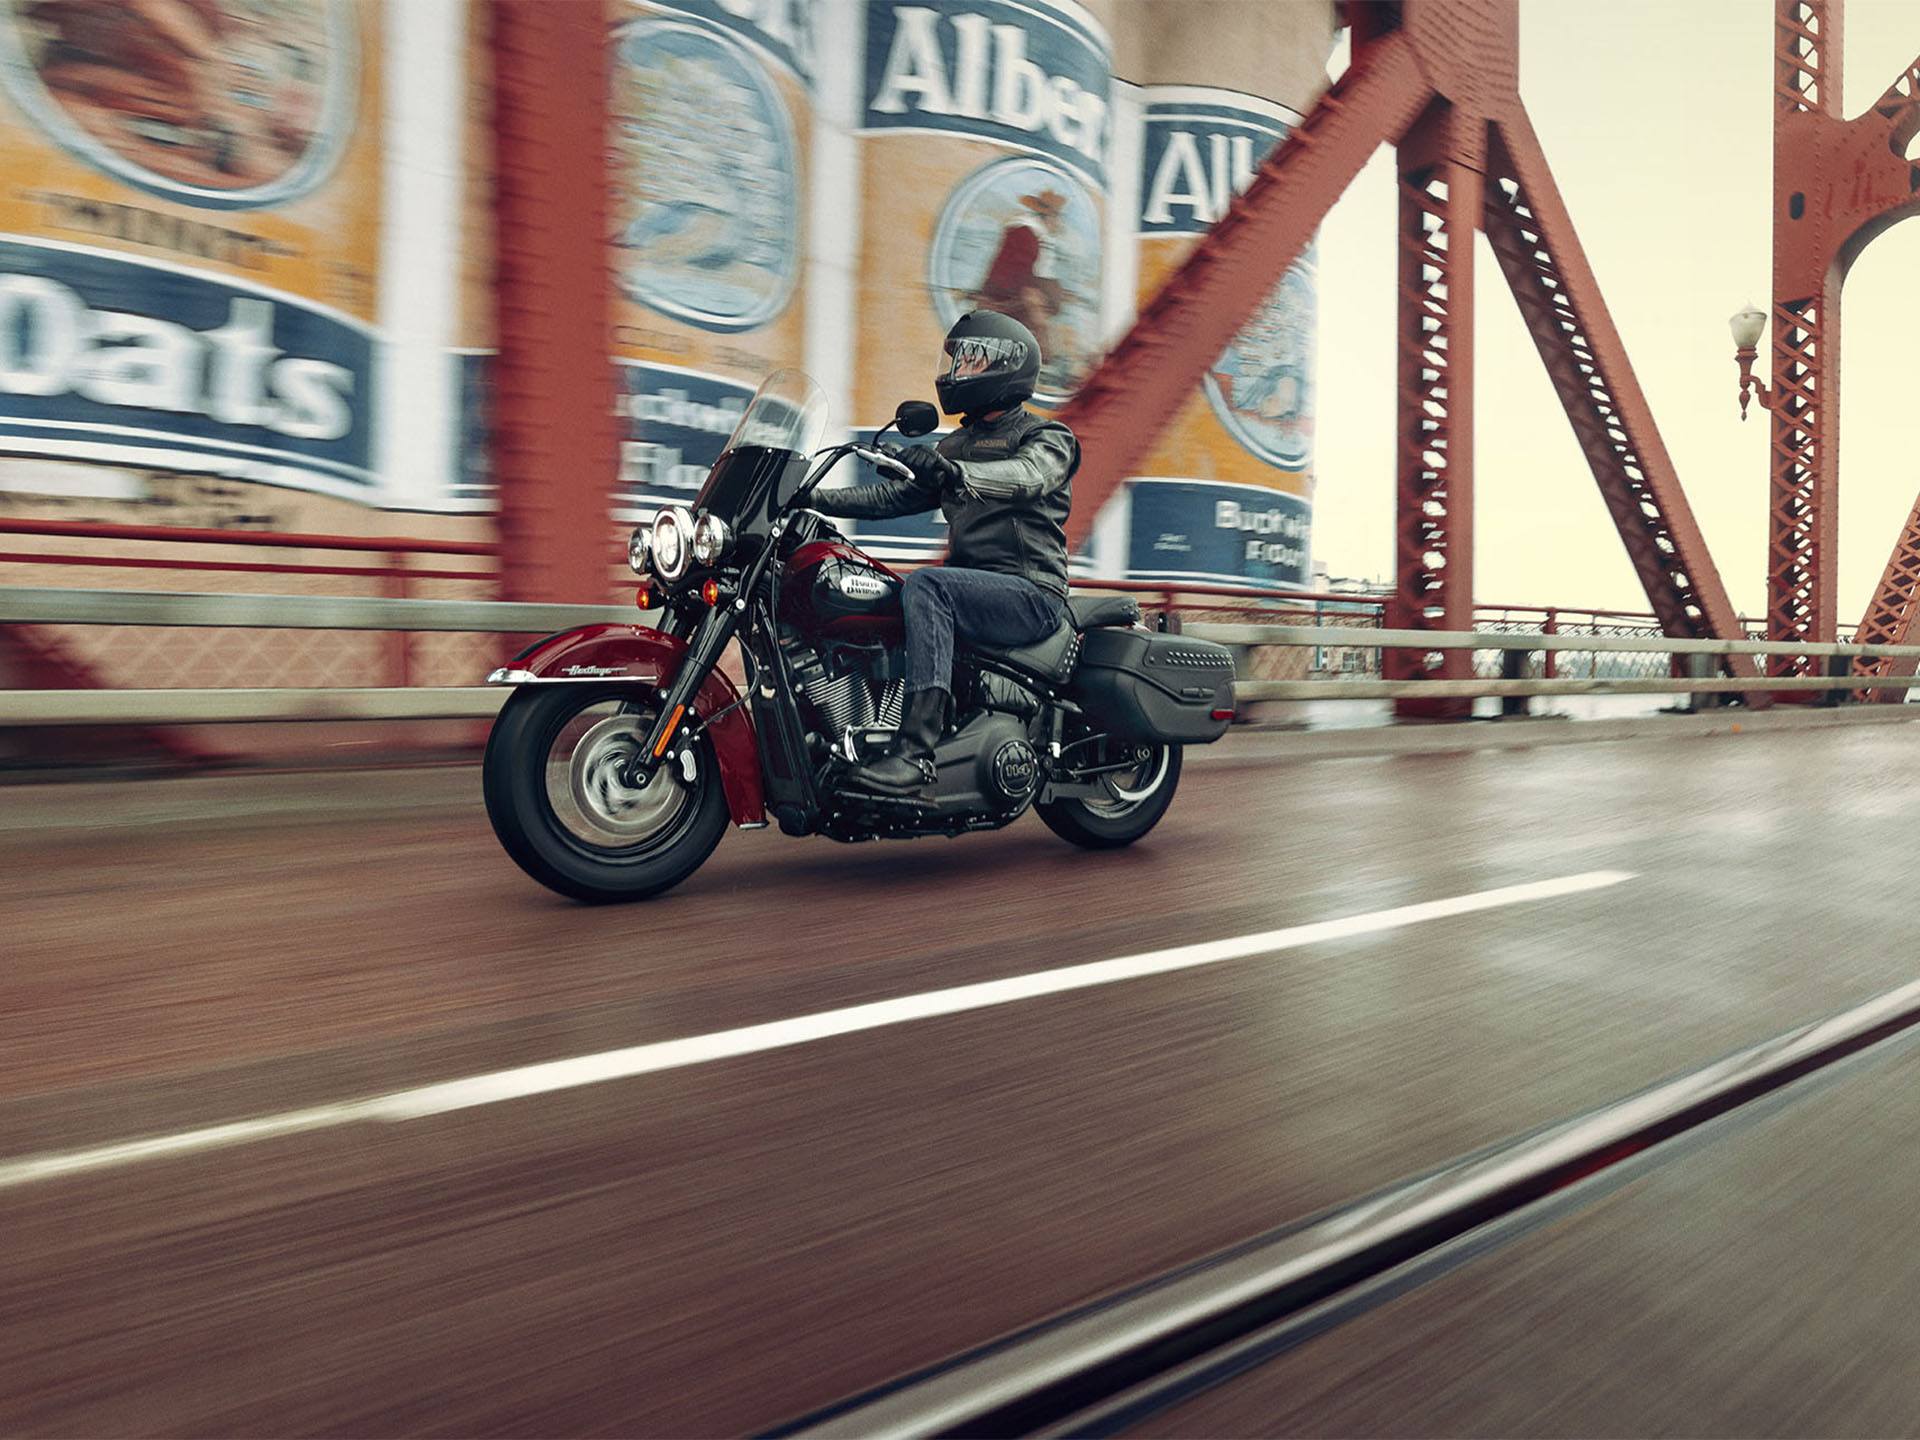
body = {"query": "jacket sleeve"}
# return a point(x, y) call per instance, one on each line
point(882, 500)
point(1042, 464)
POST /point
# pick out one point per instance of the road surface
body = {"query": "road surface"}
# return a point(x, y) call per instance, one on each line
point(710, 1237)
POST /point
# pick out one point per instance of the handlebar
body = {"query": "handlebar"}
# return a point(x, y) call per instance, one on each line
point(831, 457)
point(883, 462)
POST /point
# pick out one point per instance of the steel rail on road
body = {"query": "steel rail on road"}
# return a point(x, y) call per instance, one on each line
point(1115, 1362)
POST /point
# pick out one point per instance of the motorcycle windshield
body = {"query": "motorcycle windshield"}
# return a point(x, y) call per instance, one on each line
point(782, 425)
point(788, 412)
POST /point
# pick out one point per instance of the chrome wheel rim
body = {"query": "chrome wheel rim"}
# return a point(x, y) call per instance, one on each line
point(592, 803)
point(1130, 789)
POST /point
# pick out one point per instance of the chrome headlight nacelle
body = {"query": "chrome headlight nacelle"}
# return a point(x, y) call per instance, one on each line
point(640, 551)
point(672, 542)
point(712, 538)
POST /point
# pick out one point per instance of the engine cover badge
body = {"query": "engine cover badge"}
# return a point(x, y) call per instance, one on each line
point(1016, 770)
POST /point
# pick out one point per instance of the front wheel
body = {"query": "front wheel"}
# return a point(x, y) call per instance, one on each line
point(554, 792)
point(1131, 801)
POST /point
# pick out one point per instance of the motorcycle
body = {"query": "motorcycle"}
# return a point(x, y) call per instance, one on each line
point(625, 751)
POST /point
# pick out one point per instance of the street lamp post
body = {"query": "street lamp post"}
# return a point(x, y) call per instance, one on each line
point(1747, 326)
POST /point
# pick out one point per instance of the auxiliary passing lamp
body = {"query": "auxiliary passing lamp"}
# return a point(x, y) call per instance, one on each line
point(1747, 326)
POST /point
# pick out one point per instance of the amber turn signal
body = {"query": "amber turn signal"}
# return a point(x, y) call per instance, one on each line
point(666, 735)
point(710, 592)
point(643, 598)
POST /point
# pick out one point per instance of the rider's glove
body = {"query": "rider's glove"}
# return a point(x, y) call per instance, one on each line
point(929, 466)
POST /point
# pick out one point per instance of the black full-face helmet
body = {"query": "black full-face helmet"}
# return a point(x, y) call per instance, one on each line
point(993, 363)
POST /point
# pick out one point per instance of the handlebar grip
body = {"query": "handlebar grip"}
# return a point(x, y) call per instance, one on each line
point(884, 463)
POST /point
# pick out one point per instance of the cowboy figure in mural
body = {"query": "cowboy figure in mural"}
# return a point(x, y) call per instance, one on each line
point(1023, 279)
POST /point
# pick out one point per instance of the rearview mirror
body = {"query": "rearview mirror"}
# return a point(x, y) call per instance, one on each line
point(915, 418)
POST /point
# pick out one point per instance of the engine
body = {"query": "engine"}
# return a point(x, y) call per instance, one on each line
point(849, 688)
point(851, 697)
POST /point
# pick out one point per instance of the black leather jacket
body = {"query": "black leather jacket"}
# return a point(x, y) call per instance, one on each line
point(1012, 516)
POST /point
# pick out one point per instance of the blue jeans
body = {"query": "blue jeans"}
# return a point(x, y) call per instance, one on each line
point(979, 605)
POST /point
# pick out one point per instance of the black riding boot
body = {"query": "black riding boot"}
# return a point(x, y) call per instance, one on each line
point(907, 767)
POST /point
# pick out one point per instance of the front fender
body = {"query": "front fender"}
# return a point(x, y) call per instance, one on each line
point(610, 654)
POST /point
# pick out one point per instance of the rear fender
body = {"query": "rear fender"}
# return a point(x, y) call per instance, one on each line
point(611, 654)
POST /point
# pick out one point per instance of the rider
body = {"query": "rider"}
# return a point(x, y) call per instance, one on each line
point(1004, 481)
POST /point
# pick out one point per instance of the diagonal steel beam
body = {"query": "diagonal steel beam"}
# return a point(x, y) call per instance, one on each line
point(1122, 406)
point(1899, 106)
point(1896, 601)
point(1534, 240)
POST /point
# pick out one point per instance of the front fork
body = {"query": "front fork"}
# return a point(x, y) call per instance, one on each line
point(709, 643)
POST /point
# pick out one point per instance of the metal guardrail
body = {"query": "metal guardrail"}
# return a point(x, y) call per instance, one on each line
point(184, 706)
point(1246, 690)
point(32, 605)
point(296, 612)
point(191, 706)
point(40, 709)
point(1524, 640)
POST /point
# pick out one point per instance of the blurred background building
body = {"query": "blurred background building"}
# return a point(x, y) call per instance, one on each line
point(247, 273)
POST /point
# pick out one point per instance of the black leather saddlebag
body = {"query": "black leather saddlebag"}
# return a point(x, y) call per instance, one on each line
point(1144, 685)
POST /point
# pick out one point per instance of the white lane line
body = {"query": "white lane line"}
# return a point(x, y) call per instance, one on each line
point(541, 1079)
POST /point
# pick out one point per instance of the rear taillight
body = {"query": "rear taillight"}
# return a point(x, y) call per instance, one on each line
point(1223, 714)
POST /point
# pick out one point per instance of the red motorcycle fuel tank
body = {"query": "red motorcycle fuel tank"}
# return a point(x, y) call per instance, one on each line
point(830, 589)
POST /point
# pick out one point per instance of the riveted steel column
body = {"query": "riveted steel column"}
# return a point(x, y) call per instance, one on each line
point(1441, 199)
point(1804, 466)
point(553, 383)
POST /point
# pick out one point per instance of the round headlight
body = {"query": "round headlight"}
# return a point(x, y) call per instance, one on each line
point(672, 539)
point(711, 537)
point(639, 548)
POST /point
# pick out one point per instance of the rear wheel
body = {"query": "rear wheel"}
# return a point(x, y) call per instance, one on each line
point(554, 792)
point(1130, 802)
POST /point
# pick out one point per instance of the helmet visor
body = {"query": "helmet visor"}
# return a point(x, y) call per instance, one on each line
point(976, 355)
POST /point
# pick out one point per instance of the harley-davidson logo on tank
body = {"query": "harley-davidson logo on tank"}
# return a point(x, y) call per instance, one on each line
point(712, 117)
point(189, 214)
point(987, 127)
point(1226, 493)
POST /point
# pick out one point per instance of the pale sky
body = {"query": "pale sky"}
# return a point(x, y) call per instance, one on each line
point(1655, 116)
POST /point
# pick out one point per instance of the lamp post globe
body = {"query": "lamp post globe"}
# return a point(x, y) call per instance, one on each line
point(1747, 326)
